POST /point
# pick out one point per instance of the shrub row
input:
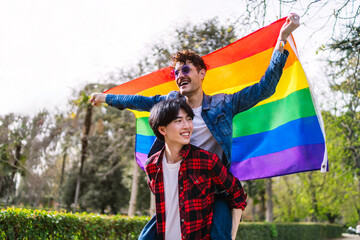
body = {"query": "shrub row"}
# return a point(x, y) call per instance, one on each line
point(17, 223)
point(286, 231)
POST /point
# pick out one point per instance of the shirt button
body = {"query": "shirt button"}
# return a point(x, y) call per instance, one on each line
point(181, 204)
point(181, 188)
point(180, 173)
point(182, 220)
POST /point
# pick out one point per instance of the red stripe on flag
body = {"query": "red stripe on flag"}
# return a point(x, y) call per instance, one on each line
point(254, 43)
point(245, 47)
point(137, 85)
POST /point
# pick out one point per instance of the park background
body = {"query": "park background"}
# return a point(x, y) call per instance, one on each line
point(59, 153)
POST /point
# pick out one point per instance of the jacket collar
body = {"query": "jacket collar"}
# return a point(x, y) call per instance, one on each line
point(206, 102)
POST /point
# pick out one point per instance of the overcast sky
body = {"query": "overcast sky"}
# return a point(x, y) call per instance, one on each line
point(48, 48)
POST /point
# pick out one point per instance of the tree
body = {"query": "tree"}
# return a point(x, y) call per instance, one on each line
point(26, 146)
point(314, 196)
point(202, 38)
point(110, 152)
point(83, 102)
point(344, 80)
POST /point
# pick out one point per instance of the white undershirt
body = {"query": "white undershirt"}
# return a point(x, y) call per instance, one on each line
point(172, 215)
point(202, 137)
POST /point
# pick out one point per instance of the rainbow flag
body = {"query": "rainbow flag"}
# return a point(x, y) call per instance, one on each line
point(281, 135)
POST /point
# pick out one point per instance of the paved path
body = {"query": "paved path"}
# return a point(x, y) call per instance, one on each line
point(346, 236)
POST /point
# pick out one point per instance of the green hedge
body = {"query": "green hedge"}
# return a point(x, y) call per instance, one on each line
point(17, 223)
point(286, 231)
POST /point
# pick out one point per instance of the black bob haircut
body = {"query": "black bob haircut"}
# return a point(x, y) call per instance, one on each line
point(165, 112)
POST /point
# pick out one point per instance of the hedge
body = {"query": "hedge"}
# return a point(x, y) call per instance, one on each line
point(17, 223)
point(286, 231)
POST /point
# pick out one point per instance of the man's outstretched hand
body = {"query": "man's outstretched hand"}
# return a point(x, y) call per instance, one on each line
point(97, 99)
point(292, 23)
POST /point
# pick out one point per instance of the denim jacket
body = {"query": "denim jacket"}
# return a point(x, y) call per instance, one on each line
point(217, 110)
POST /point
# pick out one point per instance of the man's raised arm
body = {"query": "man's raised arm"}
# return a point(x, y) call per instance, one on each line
point(292, 23)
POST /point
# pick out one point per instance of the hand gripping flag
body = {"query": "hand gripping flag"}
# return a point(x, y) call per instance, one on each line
point(281, 135)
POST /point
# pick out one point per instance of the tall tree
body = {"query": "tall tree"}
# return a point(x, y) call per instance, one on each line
point(344, 73)
point(109, 155)
point(26, 143)
point(314, 196)
point(83, 103)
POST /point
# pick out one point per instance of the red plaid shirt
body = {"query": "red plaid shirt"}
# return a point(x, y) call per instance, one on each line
point(200, 171)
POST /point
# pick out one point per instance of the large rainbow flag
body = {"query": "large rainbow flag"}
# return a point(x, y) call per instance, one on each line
point(280, 135)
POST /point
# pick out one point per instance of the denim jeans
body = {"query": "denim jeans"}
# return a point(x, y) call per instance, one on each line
point(220, 229)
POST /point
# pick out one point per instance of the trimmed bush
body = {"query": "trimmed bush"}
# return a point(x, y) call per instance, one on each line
point(17, 223)
point(286, 231)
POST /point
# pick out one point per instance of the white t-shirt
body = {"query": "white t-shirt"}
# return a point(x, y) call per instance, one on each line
point(172, 215)
point(202, 137)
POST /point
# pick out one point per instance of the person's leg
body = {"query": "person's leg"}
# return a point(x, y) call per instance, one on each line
point(149, 232)
point(222, 221)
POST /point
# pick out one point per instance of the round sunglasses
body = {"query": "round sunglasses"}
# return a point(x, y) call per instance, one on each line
point(185, 69)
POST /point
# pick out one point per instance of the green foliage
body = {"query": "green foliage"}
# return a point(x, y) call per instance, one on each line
point(16, 223)
point(344, 114)
point(256, 190)
point(203, 38)
point(344, 75)
point(315, 196)
point(285, 231)
point(110, 152)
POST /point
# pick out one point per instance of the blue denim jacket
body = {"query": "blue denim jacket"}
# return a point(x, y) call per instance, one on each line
point(217, 110)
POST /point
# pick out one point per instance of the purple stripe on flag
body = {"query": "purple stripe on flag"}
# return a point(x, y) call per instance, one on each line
point(141, 159)
point(297, 159)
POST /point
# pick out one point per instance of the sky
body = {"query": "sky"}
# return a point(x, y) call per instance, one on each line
point(48, 48)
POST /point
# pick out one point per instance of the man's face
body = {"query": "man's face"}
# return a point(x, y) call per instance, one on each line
point(178, 131)
point(189, 83)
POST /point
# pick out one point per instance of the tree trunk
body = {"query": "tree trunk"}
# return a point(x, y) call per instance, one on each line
point(262, 209)
point(356, 205)
point(134, 190)
point(63, 169)
point(15, 168)
point(84, 144)
point(62, 177)
point(290, 194)
point(269, 201)
point(16, 161)
point(152, 204)
point(314, 204)
point(1, 181)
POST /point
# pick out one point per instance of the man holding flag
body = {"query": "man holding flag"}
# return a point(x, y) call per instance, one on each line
point(213, 115)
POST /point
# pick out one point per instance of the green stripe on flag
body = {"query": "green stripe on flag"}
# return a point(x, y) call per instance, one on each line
point(272, 115)
point(262, 118)
point(143, 127)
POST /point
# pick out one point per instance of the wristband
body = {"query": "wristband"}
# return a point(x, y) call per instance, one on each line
point(282, 43)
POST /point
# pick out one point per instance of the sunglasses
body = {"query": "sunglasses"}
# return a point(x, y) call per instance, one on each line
point(185, 69)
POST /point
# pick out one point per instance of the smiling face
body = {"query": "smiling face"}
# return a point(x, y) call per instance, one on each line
point(178, 131)
point(189, 83)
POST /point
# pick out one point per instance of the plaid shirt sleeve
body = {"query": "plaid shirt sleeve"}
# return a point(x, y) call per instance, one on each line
point(225, 180)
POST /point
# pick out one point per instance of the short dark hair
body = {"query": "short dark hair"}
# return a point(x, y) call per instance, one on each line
point(165, 112)
point(185, 55)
